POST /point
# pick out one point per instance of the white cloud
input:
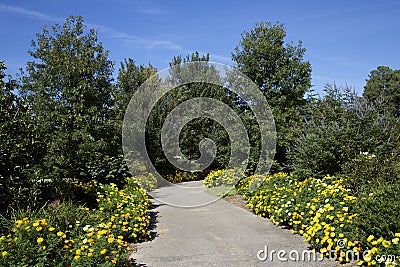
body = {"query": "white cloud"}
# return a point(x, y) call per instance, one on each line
point(131, 40)
point(27, 13)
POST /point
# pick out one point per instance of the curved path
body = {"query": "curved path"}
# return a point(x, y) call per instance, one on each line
point(217, 234)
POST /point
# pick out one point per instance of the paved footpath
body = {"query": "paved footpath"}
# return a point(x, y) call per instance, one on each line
point(217, 234)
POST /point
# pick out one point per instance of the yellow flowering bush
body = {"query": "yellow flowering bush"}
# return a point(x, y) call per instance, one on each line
point(218, 178)
point(184, 176)
point(147, 181)
point(321, 210)
point(70, 235)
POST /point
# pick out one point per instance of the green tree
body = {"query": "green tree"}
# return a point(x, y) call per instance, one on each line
point(130, 78)
point(20, 147)
point(200, 128)
point(349, 135)
point(281, 73)
point(69, 87)
point(384, 83)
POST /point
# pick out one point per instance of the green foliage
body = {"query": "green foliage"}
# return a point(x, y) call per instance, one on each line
point(367, 171)
point(184, 176)
point(379, 212)
point(281, 74)
point(63, 234)
point(108, 169)
point(146, 180)
point(339, 128)
point(324, 212)
point(225, 178)
point(68, 85)
point(20, 148)
point(130, 78)
point(249, 184)
point(197, 129)
point(384, 83)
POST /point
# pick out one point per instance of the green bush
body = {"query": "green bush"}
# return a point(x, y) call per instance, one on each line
point(64, 234)
point(184, 176)
point(226, 178)
point(146, 180)
point(379, 212)
point(324, 212)
point(366, 171)
point(339, 128)
point(248, 185)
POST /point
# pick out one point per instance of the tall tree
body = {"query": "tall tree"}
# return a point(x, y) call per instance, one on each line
point(130, 78)
point(69, 86)
point(282, 74)
point(20, 146)
point(384, 83)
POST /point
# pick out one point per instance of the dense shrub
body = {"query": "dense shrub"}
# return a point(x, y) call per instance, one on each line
point(227, 178)
point(63, 234)
point(146, 180)
point(332, 220)
point(379, 212)
point(339, 128)
point(184, 176)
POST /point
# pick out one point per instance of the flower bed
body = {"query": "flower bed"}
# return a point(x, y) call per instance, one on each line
point(68, 235)
point(325, 213)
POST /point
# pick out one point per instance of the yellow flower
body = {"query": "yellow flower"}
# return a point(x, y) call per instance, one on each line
point(110, 240)
point(61, 234)
point(44, 222)
point(374, 250)
point(40, 240)
point(386, 243)
point(370, 238)
point(4, 253)
point(90, 254)
point(103, 251)
point(51, 229)
point(114, 260)
point(77, 257)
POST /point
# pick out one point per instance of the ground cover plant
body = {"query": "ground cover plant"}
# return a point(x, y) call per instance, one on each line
point(323, 210)
point(64, 234)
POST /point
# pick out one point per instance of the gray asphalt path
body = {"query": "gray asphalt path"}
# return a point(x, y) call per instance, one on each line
point(217, 234)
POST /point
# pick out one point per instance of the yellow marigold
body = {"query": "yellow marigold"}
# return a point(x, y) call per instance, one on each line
point(370, 238)
point(103, 251)
point(4, 253)
point(40, 240)
point(386, 243)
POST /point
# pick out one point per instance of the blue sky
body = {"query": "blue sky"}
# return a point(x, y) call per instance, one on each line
point(345, 40)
